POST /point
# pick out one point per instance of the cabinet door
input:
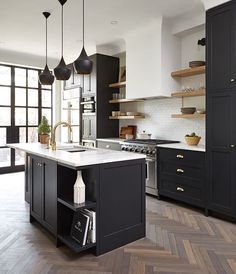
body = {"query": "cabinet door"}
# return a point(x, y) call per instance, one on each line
point(85, 127)
point(36, 188)
point(49, 197)
point(27, 177)
point(92, 127)
point(220, 49)
point(87, 84)
point(89, 127)
point(221, 155)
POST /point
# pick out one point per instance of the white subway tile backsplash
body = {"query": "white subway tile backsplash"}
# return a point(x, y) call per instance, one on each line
point(158, 119)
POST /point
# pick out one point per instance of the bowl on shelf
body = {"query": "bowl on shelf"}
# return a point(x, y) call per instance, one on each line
point(194, 64)
point(201, 111)
point(188, 110)
point(132, 113)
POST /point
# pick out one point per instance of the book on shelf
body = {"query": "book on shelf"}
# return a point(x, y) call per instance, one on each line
point(92, 225)
point(80, 226)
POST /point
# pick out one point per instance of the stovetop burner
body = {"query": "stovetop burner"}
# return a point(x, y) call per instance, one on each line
point(150, 141)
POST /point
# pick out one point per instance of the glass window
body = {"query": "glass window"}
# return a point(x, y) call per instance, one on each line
point(20, 116)
point(33, 97)
point(20, 97)
point(3, 136)
point(5, 75)
point(46, 98)
point(19, 158)
point(33, 78)
point(20, 77)
point(5, 116)
point(5, 98)
point(32, 134)
point(22, 137)
point(5, 157)
point(47, 112)
point(33, 116)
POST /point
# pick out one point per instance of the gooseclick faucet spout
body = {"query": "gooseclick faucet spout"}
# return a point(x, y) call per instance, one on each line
point(53, 135)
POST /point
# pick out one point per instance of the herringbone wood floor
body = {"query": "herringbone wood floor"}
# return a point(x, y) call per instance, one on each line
point(179, 240)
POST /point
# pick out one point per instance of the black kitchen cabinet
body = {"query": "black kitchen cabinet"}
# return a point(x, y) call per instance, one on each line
point(221, 111)
point(221, 47)
point(27, 178)
point(43, 198)
point(182, 175)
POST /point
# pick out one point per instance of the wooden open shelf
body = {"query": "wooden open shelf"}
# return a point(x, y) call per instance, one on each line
point(76, 207)
point(127, 117)
point(118, 85)
point(189, 72)
point(118, 101)
point(199, 92)
point(189, 116)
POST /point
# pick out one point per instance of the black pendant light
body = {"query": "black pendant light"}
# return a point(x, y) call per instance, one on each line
point(46, 77)
point(62, 72)
point(83, 65)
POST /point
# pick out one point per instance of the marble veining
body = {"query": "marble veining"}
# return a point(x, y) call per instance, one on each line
point(184, 146)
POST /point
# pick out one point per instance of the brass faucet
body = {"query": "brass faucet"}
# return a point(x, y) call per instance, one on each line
point(53, 135)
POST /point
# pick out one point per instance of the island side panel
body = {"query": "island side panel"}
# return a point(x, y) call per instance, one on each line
point(121, 204)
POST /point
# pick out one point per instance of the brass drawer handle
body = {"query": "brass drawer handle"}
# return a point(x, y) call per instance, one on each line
point(179, 170)
point(180, 189)
point(179, 156)
point(108, 146)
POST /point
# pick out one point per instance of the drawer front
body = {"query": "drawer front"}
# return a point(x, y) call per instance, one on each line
point(188, 193)
point(108, 145)
point(193, 158)
point(181, 170)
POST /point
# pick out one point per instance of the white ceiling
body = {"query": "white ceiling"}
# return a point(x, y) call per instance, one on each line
point(22, 26)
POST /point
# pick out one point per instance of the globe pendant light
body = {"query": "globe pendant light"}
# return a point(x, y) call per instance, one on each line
point(46, 77)
point(62, 72)
point(83, 65)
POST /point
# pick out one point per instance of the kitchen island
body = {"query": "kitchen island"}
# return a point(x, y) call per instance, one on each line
point(115, 190)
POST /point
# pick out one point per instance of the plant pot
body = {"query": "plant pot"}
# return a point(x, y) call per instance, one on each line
point(43, 138)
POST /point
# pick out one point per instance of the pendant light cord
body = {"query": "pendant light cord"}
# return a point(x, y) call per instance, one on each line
point(83, 23)
point(62, 33)
point(46, 41)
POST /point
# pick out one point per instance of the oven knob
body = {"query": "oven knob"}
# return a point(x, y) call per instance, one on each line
point(154, 152)
point(131, 149)
point(148, 152)
point(143, 151)
point(126, 149)
point(123, 148)
point(137, 150)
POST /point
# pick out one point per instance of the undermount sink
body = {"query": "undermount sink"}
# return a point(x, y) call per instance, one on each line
point(73, 149)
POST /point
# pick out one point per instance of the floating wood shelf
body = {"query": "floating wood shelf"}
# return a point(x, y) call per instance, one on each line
point(189, 72)
point(189, 116)
point(117, 85)
point(117, 101)
point(127, 117)
point(199, 92)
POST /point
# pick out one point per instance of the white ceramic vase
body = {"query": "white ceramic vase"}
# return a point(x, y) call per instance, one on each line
point(79, 189)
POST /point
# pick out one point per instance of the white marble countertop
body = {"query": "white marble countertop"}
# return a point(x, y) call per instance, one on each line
point(111, 140)
point(184, 146)
point(92, 156)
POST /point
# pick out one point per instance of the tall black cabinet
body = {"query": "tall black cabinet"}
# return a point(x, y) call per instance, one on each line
point(221, 108)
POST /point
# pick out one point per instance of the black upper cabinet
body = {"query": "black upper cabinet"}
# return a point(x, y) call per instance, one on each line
point(221, 51)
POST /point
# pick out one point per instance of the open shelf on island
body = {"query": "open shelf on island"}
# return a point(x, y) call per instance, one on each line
point(199, 92)
point(127, 117)
point(117, 101)
point(73, 244)
point(189, 116)
point(189, 72)
point(76, 207)
point(117, 85)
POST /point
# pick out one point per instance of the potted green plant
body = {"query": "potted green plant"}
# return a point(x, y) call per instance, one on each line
point(44, 129)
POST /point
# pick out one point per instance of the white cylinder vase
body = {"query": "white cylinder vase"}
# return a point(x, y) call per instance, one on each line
point(79, 189)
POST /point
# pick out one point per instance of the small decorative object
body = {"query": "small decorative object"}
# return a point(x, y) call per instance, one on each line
point(194, 64)
point(79, 189)
point(192, 139)
point(44, 129)
point(201, 111)
point(202, 42)
point(188, 110)
point(122, 74)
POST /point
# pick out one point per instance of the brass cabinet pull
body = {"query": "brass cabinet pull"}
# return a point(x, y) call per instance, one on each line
point(232, 80)
point(180, 189)
point(232, 146)
point(179, 156)
point(108, 146)
point(179, 170)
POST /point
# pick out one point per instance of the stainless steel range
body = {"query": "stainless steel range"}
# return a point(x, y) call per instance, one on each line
point(148, 147)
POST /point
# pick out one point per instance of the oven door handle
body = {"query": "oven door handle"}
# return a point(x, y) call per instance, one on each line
point(147, 168)
point(150, 160)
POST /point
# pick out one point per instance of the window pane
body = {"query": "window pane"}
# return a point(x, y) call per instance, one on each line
point(33, 116)
point(75, 134)
point(5, 75)
point(33, 97)
point(33, 78)
point(46, 98)
point(5, 116)
point(3, 136)
point(20, 116)
point(20, 77)
point(5, 96)
point(19, 158)
point(32, 134)
point(5, 157)
point(47, 113)
point(20, 97)
point(22, 137)
point(75, 117)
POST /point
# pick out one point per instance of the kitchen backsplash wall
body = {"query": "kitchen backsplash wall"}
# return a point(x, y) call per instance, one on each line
point(158, 119)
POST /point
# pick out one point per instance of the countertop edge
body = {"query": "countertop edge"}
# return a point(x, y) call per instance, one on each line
point(199, 148)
